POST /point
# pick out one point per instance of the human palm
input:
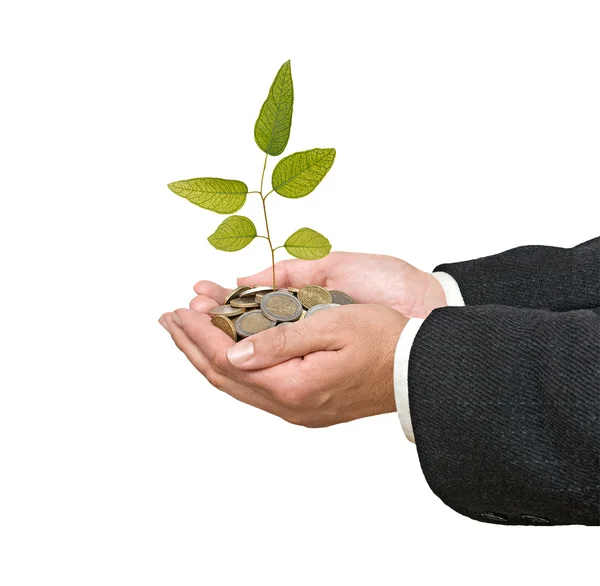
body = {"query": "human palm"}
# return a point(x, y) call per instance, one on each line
point(368, 278)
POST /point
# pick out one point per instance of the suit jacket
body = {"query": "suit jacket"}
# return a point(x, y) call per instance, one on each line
point(504, 393)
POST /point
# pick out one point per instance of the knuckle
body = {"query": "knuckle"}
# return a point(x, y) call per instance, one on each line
point(307, 419)
point(214, 378)
point(295, 418)
point(291, 397)
point(279, 341)
point(315, 424)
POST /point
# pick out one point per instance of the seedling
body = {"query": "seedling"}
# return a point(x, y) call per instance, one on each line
point(293, 177)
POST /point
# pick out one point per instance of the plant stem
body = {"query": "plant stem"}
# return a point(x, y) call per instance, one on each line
point(262, 178)
point(263, 198)
point(269, 239)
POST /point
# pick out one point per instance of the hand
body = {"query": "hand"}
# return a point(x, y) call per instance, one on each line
point(368, 278)
point(335, 366)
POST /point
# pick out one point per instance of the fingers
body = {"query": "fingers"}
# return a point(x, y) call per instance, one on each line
point(290, 273)
point(211, 341)
point(290, 390)
point(187, 346)
point(214, 344)
point(203, 304)
point(321, 332)
point(215, 378)
point(212, 290)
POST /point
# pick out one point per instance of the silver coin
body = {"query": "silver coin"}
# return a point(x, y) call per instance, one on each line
point(252, 322)
point(255, 290)
point(236, 293)
point(281, 306)
point(245, 302)
point(341, 298)
point(320, 307)
point(226, 310)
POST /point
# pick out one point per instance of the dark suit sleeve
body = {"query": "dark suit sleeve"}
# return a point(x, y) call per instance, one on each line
point(505, 408)
point(542, 277)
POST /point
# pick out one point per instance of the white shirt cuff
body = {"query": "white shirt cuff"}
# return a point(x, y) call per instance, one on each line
point(404, 346)
point(451, 289)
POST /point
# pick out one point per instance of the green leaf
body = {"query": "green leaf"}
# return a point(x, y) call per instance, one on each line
point(298, 174)
point(307, 244)
point(223, 196)
point(233, 234)
point(272, 128)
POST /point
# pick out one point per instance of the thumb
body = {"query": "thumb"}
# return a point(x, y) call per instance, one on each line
point(284, 342)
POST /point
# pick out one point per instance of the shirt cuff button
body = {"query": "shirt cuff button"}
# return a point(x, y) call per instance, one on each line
point(494, 517)
point(535, 519)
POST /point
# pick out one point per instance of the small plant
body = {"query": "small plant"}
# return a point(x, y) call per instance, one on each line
point(294, 176)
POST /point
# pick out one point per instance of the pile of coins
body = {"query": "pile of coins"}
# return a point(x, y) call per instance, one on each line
point(249, 310)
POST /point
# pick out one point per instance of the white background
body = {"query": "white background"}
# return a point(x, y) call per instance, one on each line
point(462, 129)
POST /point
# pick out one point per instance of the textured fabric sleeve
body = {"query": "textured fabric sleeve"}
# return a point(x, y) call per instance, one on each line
point(542, 277)
point(505, 408)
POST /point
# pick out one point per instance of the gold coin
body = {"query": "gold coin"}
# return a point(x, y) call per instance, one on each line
point(226, 310)
point(311, 295)
point(236, 293)
point(225, 325)
point(245, 302)
point(303, 314)
point(293, 290)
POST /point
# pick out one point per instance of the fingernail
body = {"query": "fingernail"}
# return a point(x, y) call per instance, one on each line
point(163, 322)
point(176, 319)
point(240, 353)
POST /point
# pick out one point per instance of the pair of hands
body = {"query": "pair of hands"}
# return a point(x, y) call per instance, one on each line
point(333, 367)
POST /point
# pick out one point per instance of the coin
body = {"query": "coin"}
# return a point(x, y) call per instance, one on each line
point(281, 306)
point(226, 310)
point(320, 307)
point(225, 325)
point(252, 322)
point(245, 302)
point(341, 298)
point(255, 290)
point(236, 293)
point(293, 289)
point(311, 295)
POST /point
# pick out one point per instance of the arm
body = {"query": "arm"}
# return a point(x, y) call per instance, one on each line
point(542, 277)
point(505, 408)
